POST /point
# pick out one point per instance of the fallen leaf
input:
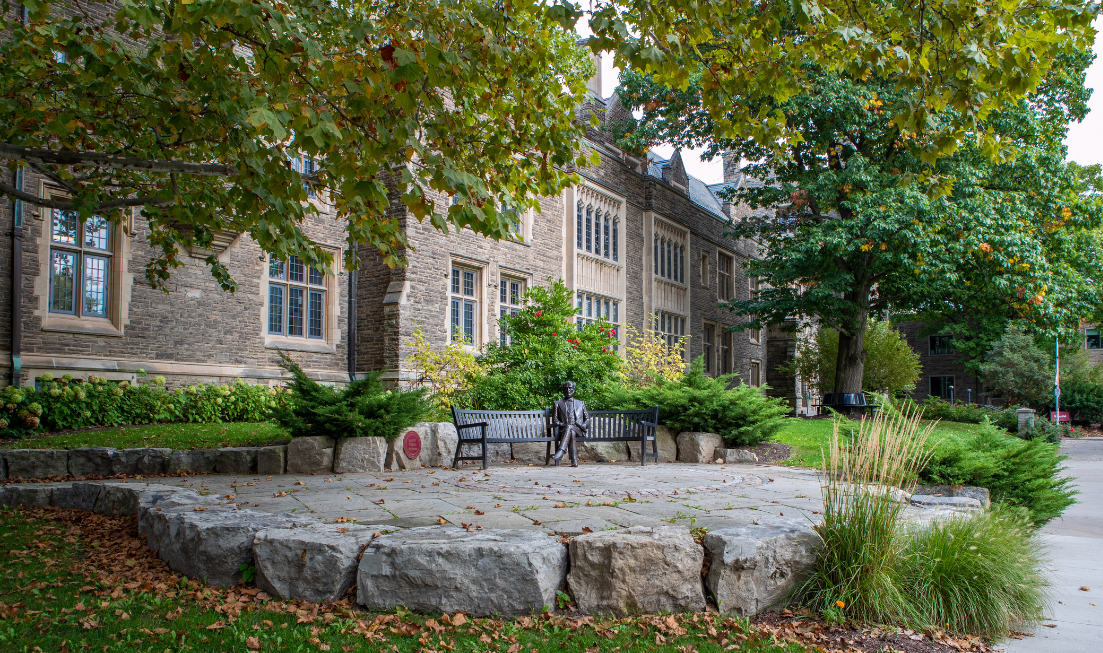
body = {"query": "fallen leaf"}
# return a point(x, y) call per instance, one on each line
point(479, 512)
point(459, 619)
point(342, 530)
point(1085, 588)
point(252, 643)
point(587, 529)
point(441, 522)
point(218, 625)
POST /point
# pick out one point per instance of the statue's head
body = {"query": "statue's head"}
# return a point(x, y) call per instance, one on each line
point(568, 389)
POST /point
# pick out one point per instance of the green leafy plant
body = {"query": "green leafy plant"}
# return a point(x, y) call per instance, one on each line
point(562, 599)
point(363, 408)
point(546, 347)
point(980, 575)
point(1024, 473)
point(742, 415)
point(1018, 369)
point(248, 572)
point(936, 408)
point(891, 365)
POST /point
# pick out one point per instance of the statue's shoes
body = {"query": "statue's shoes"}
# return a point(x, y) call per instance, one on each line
point(574, 463)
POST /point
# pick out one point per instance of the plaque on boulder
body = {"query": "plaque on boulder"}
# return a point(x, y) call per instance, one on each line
point(411, 444)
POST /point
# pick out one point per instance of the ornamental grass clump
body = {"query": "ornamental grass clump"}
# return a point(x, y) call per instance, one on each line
point(861, 551)
point(980, 575)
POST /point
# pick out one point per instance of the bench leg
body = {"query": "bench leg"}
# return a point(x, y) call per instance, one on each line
point(655, 447)
point(547, 453)
point(456, 458)
point(643, 450)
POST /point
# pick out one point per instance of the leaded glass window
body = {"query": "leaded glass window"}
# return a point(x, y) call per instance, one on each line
point(296, 299)
point(80, 264)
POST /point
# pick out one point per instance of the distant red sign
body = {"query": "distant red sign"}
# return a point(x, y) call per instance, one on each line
point(1064, 416)
point(411, 444)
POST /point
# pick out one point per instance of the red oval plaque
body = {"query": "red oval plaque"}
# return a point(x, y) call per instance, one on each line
point(411, 444)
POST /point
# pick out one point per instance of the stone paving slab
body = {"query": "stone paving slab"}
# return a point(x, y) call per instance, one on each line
point(519, 496)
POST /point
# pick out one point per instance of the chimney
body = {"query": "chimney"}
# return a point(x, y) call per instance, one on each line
point(731, 166)
point(594, 85)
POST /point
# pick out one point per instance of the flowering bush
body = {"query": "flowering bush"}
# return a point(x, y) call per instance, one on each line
point(648, 358)
point(68, 403)
point(446, 373)
point(545, 349)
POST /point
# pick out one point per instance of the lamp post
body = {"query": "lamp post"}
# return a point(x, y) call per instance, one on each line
point(1057, 378)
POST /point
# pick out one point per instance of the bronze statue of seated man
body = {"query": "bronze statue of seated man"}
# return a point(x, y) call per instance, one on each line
point(570, 416)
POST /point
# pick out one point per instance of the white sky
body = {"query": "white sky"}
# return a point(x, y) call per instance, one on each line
point(1084, 141)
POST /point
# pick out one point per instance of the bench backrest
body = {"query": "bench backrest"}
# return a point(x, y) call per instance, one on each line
point(620, 424)
point(506, 424)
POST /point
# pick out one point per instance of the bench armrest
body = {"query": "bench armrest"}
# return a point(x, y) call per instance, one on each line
point(471, 426)
point(646, 423)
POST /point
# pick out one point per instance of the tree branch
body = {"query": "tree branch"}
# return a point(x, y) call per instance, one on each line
point(30, 198)
point(42, 156)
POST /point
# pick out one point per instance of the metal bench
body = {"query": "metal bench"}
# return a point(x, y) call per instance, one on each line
point(483, 427)
point(849, 402)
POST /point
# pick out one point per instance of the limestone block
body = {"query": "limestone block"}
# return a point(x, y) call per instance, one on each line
point(155, 499)
point(36, 463)
point(143, 461)
point(213, 544)
point(396, 456)
point(360, 455)
point(694, 447)
point(981, 494)
point(236, 460)
point(317, 563)
point(442, 446)
point(93, 460)
point(636, 570)
point(446, 569)
point(737, 456)
point(272, 461)
point(602, 452)
point(77, 496)
point(754, 566)
point(963, 504)
point(118, 499)
point(528, 452)
point(194, 460)
point(36, 495)
point(665, 443)
point(310, 455)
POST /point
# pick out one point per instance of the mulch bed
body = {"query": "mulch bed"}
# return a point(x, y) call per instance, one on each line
point(770, 453)
point(868, 640)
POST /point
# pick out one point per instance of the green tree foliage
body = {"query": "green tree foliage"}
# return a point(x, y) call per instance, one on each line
point(949, 63)
point(891, 366)
point(740, 414)
point(545, 349)
point(1024, 473)
point(361, 409)
point(203, 112)
point(1018, 369)
point(855, 221)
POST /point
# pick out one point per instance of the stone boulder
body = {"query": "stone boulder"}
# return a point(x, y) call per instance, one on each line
point(754, 566)
point(310, 455)
point(236, 460)
point(636, 570)
point(144, 461)
point(317, 563)
point(194, 460)
point(441, 446)
point(272, 461)
point(360, 455)
point(212, 544)
point(694, 447)
point(737, 456)
point(528, 452)
point(665, 443)
point(499, 453)
point(981, 494)
point(447, 569)
point(93, 460)
point(962, 504)
point(36, 463)
point(602, 452)
point(396, 455)
point(82, 495)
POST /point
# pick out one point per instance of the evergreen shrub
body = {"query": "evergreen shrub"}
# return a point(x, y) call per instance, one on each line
point(363, 408)
point(742, 415)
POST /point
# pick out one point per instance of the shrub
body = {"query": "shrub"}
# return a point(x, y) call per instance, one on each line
point(891, 366)
point(940, 409)
point(68, 403)
point(980, 575)
point(857, 568)
point(545, 348)
point(1018, 369)
point(1025, 473)
point(446, 374)
point(647, 357)
point(1083, 400)
point(363, 408)
point(743, 416)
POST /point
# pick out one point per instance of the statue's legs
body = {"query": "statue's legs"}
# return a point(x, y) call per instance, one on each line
point(566, 444)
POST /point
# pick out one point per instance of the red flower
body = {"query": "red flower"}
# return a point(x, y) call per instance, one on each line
point(554, 333)
point(538, 313)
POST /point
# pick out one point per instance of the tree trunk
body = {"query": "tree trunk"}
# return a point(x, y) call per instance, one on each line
point(851, 363)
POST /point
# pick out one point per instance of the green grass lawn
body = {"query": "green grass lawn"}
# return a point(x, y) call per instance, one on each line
point(73, 581)
point(170, 436)
point(810, 438)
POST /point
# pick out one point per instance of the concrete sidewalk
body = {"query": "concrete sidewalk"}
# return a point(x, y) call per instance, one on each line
point(1075, 546)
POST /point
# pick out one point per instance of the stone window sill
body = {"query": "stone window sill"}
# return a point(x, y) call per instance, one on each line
point(299, 344)
point(93, 326)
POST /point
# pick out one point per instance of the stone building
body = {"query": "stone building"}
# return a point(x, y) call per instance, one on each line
point(637, 237)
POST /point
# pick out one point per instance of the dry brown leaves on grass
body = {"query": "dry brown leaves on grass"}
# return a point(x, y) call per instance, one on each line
point(804, 628)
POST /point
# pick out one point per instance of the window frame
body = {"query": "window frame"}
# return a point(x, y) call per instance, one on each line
point(754, 373)
point(82, 254)
point(708, 334)
point(937, 345)
point(944, 386)
point(511, 292)
point(309, 287)
point(724, 277)
point(671, 327)
point(460, 300)
point(1097, 334)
